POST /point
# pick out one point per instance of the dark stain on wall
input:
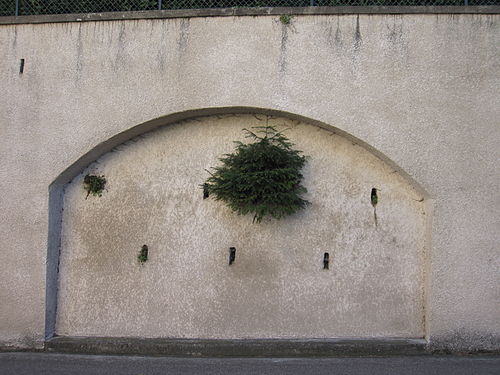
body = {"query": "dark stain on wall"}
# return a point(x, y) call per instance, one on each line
point(79, 53)
point(283, 49)
point(183, 35)
point(358, 40)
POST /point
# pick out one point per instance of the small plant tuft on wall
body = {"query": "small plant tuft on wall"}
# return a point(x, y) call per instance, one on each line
point(94, 185)
point(286, 19)
point(142, 257)
point(262, 178)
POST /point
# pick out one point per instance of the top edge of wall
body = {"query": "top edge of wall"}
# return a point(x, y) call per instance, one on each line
point(241, 12)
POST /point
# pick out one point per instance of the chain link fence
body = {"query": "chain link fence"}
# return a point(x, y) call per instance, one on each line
point(33, 7)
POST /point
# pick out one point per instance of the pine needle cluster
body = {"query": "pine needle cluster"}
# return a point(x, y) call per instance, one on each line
point(262, 178)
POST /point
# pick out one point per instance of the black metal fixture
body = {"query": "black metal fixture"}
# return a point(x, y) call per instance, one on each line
point(326, 261)
point(205, 191)
point(232, 255)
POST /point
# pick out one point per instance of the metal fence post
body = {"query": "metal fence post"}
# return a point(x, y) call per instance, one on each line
point(159, 4)
point(17, 8)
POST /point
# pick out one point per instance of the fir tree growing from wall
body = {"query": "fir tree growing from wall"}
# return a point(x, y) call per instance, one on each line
point(262, 178)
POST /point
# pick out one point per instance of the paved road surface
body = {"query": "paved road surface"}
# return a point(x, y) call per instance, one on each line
point(57, 364)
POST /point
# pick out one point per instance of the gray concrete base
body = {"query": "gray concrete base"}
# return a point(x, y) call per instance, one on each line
point(238, 348)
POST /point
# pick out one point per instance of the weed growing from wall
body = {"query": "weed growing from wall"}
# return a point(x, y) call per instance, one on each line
point(142, 257)
point(262, 178)
point(286, 19)
point(94, 185)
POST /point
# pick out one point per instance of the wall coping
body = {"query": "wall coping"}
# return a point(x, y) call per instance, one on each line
point(242, 12)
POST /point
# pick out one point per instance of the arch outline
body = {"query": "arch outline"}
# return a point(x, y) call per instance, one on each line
point(56, 191)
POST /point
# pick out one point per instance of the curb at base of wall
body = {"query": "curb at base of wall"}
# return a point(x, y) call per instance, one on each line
point(238, 347)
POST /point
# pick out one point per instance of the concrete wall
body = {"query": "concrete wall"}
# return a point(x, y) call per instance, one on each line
point(421, 90)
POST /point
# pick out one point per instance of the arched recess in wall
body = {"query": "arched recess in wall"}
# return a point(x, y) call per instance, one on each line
point(277, 287)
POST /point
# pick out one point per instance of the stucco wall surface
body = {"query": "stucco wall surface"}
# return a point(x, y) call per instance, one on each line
point(420, 89)
point(277, 287)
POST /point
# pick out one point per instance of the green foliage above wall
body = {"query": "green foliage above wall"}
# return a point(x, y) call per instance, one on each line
point(262, 178)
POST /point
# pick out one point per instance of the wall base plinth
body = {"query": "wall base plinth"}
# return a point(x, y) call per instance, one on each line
point(238, 348)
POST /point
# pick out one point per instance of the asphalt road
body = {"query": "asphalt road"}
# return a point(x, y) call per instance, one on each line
point(56, 364)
